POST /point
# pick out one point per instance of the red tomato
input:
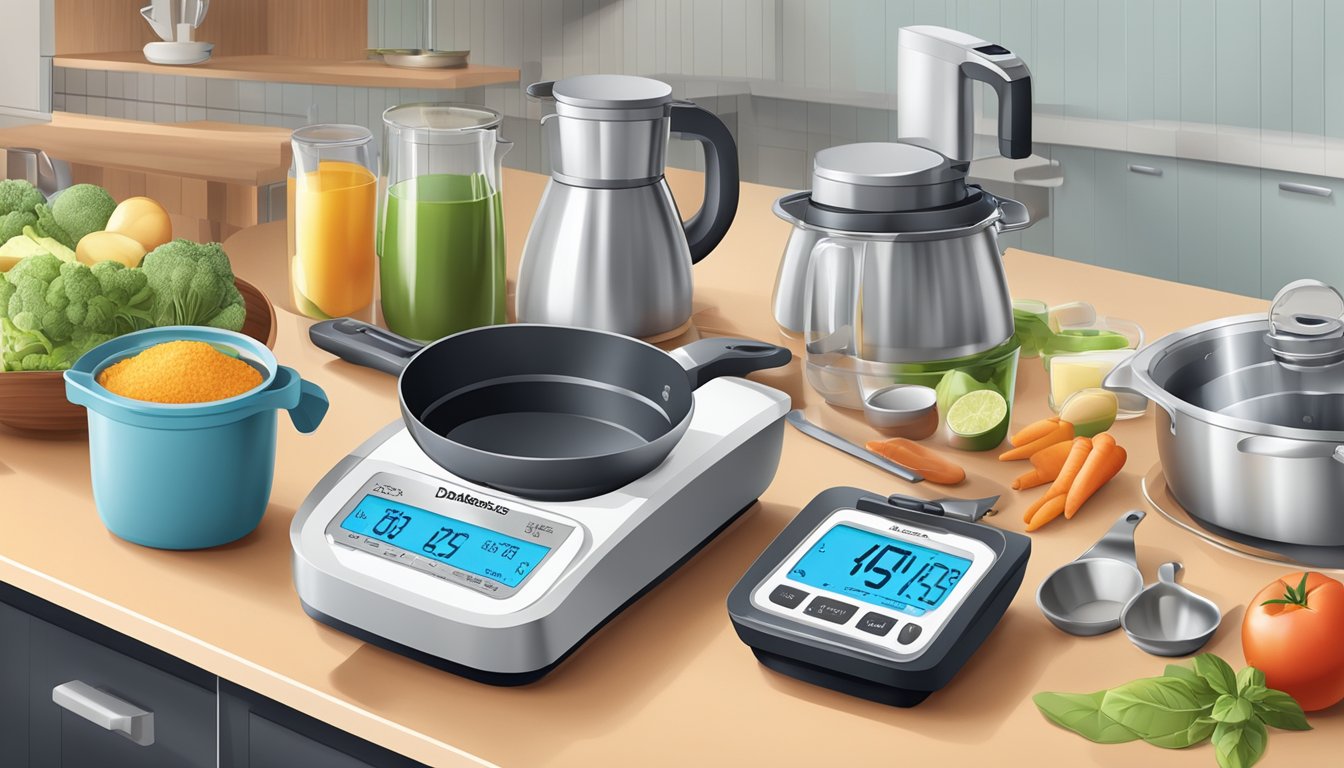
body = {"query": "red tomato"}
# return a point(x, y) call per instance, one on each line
point(1299, 643)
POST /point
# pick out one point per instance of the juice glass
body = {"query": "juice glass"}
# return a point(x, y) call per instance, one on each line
point(440, 223)
point(332, 193)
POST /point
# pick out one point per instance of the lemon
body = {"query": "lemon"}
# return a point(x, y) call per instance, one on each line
point(978, 421)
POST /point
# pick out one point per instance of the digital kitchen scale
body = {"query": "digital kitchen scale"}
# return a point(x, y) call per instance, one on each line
point(863, 596)
point(395, 550)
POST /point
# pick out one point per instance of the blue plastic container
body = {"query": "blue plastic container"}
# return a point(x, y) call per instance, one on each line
point(187, 476)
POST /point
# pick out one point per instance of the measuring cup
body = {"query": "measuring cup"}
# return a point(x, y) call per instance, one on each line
point(1166, 619)
point(1087, 596)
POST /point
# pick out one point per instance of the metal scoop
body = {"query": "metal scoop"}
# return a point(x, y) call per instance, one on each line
point(1166, 619)
point(1087, 596)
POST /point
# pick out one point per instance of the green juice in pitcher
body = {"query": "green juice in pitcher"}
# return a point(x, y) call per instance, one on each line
point(441, 255)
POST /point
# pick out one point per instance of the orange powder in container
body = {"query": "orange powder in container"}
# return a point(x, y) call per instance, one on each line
point(180, 372)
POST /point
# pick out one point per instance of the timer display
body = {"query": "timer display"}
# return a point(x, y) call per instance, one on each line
point(877, 569)
point(480, 551)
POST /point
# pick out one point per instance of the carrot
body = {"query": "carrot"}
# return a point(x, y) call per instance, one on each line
point(1061, 432)
point(1102, 464)
point(932, 466)
point(1033, 431)
point(1078, 452)
point(1046, 464)
point(1047, 512)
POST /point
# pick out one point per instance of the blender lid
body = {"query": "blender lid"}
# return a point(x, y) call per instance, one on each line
point(611, 92)
point(886, 176)
point(441, 118)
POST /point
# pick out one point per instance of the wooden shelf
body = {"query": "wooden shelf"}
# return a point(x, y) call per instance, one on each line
point(289, 69)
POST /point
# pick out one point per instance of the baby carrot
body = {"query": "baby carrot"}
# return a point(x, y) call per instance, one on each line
point(1047, 512)
point(934, 467)
point(1033, 431)
point(1046, 464)
point(1058, 434)
point(1078, 452)
point(1102, 464)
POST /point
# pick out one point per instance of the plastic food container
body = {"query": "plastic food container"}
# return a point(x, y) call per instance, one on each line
point(1095, 335)
point(1072, 373)
point(187, 476)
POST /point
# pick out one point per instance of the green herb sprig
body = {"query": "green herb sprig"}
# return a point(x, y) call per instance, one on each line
point(1184, 707)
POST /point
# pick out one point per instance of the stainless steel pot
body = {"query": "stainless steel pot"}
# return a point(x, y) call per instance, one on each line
point(1250, 417)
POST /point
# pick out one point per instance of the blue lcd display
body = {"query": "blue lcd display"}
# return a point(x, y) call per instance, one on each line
point(883, 571)
point(474, 549)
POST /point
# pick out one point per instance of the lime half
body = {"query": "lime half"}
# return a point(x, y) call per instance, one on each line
point(978, 421)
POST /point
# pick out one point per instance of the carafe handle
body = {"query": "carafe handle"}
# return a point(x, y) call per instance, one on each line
point(707, 227)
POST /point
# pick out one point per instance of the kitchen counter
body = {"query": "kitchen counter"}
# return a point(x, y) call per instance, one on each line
point(668, 682)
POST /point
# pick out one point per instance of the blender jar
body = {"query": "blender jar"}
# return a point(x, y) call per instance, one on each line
point(440, 221)
point(332, 191)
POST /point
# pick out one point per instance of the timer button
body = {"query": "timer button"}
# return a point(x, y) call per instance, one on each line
point(787, 596)
point(833, 611)
point(876, 624)
point(909, 633)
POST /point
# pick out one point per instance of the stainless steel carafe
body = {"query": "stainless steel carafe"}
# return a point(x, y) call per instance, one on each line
point(608, 248)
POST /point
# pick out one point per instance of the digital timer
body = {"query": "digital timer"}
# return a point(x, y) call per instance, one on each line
point(892, 573)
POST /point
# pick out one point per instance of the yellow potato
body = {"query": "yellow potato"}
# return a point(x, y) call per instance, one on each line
point(142, 219)
point(109, 246)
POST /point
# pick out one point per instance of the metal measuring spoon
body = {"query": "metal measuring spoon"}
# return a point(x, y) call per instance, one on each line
point(1166, 619)
point(1086, 596)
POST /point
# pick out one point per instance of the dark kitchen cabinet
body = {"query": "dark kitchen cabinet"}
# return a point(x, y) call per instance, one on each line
point(14, 657)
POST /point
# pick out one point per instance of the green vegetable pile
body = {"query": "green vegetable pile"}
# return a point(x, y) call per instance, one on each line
point(79, 210)
point(54, 309)
point(18, 207)
point(1182, 708)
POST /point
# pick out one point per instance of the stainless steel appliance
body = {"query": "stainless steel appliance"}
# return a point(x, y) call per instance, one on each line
point(927, 237)
point(607, 248)
point(1250, 417)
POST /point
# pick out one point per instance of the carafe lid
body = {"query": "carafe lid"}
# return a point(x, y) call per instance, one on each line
point(885, 176)
point(441, 118)
point(611, 92)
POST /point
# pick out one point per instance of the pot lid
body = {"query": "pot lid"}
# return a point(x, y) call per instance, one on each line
point(611, 92)
point(1306, 324)
point(886, 176)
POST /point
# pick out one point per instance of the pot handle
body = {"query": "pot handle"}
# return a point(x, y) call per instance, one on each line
point(711, 358)
point(305, 401)
point(1123, 381)
point(1012, 216)
point(364, 344)
point(707, 227)
point(1281, 448)
point(1118, 542)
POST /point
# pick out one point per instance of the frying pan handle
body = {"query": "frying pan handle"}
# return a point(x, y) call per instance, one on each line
point(711, 358)
point(364, 344)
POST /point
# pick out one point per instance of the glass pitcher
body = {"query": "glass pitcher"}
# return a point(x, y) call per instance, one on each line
point(331, 194)
point(440, 222)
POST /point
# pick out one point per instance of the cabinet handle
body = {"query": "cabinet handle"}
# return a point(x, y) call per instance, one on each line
point(1305, 189)
point(1146, 170)
point(105, 711)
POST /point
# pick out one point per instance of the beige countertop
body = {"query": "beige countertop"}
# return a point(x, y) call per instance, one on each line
point(667, 682)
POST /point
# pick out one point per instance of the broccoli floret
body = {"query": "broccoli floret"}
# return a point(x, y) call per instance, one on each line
point(82, 209)
point(19, 195)
point(128, 291)
point(47, 227)
point(12, 224)
point(193, 285)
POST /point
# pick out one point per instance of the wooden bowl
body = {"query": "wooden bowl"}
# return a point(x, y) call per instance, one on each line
point(34, 401)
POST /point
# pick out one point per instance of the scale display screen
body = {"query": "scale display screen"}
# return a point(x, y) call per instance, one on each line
point(880, 570)
point(474, 549)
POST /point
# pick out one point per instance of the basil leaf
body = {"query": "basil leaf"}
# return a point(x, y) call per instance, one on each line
point(1230, 709)
point(1239, 745)
point(1254, 693)
point(1249, 677)
point(1203, 691)
point(1158, 709)
point(1282, 711)
point(1217, 672)
point(1081, 713)
point(1197, 732)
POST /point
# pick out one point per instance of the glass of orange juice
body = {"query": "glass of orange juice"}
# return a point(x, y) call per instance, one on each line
point(332, 196)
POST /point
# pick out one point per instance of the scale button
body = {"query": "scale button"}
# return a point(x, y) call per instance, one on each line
point(787, 596)
point(909, 633)
point(876, 624)
point(830, 610)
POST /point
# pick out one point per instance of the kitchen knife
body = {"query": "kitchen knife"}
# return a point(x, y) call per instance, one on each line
point(800, 422)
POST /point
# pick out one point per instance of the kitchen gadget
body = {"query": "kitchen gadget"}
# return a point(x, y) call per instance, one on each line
point(545, 412)
point(1250, 417)
point(175, 22)
point(800, 423)
point(1086, 597)
point(607, 248)
point(903, 410)
point(861, 595)
point(423, 58)
point(394, 549)
point(1166, 619)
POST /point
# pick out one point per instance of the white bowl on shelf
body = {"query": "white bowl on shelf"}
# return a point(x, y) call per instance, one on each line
point(186, 52)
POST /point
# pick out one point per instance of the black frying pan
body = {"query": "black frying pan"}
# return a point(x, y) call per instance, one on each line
point(545, 411)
